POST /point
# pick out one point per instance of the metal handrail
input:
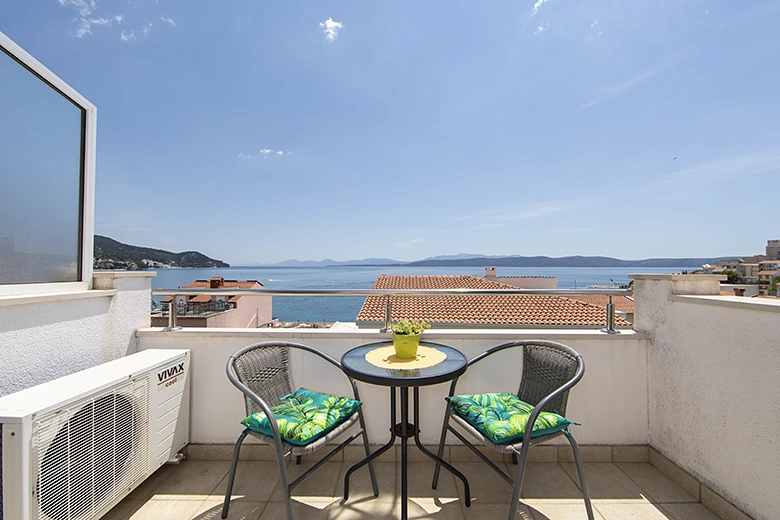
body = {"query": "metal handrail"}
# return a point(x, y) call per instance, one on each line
point(610, 318)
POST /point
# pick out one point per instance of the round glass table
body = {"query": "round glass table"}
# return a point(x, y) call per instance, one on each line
point(355, 365)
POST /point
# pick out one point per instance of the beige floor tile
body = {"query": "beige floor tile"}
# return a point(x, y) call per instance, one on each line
point(124, 509)
point(324, 482)
point(240, 509)
point(364, 509)
point(606, 482)
point(150, 485)
point(420, 475)
point(254, 481)
point(435, 509)
point(495, 512)
point(688, 512)
point(564, 509)
point(355, 452)
point(168, 509)
point(278, 511)
point(547, 481)
point(588, 454)
point(191, 480)
point(464, 454)
point(486, 486)
point(657, 486)
point(360, 482)
point(630, 511)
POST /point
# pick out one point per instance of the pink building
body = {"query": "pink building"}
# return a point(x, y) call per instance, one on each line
point(222, 310)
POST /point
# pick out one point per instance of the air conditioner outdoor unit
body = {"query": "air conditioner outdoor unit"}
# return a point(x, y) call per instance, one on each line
point(72, 448)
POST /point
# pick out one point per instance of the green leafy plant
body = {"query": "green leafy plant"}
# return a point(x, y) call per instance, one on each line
point(408, 328)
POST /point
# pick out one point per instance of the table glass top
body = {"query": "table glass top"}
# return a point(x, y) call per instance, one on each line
point(355, 364)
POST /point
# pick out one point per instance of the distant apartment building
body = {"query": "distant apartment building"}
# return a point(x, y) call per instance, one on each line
point(220, 310)
point(773, 249)
point(765, 279)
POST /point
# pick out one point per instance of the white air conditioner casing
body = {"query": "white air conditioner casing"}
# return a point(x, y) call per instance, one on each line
point(72, 448)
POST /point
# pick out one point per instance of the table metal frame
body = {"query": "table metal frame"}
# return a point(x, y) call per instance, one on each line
point(404, 429)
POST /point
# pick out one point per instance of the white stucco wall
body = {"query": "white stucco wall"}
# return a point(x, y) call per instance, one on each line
point(49, 336)
point(713, 386)
point(610, 401)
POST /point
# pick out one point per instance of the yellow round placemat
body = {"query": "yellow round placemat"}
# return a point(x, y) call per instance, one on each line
point(384, 357)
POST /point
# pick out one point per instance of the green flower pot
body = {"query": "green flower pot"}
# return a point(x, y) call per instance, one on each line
point(406, 345)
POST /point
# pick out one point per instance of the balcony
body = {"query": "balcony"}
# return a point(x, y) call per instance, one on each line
point(671, 426)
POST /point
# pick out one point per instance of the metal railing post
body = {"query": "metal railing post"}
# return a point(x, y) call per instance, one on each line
point(172, 311)
point(610, 329)
point(388, 313)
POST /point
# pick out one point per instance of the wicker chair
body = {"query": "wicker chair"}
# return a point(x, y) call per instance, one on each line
point(549, 370)
point(260, 371)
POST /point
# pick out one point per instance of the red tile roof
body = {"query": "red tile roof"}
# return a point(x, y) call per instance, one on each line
point(479, 310)
point(222, 284)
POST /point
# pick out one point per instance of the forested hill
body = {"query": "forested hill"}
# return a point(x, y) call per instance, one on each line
point(110, 254)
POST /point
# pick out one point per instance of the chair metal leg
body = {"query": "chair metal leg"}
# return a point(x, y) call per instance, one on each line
point(366, 445)
point(232, 477)
point(519, 476)
point(581, 473)
point(298, 460)
point(440, 451)
point(514, 458)
point(284, 481)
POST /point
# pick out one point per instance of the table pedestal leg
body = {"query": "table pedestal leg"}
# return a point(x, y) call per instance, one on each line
point(377, 452)
point(437, 459)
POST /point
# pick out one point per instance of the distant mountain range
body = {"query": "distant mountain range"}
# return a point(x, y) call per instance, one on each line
point(110, 254)
point(472, 260)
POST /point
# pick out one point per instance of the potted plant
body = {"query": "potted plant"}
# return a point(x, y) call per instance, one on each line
point(406, 337)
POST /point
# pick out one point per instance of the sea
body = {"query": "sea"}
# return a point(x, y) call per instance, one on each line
point(346, 308)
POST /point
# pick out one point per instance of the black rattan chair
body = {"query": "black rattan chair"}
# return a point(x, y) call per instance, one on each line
point(260, 371)
point(549, 370)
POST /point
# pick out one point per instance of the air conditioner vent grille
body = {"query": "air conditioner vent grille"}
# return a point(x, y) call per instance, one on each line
point(90, 452)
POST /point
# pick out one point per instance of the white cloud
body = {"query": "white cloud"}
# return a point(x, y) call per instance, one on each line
point(84, 7)
point(332, 29)
point(537, 5)
point(266, 151)
point(85, 25)
point(279, 153)
point(245, 157)
point(725, 170)
point(500, 218)
point(599, 34)
point(146, 30)
point(168, 20)
point(607, 93)
point(119, 18)
point(127, 36)
point(541, 28)
point(595, 23)
point(410, 242)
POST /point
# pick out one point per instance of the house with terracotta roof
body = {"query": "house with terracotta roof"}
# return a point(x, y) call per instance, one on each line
point(765, 279)
point(473, 311)
point(221, 310)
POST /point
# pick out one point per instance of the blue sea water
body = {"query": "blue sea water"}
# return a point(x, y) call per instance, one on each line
point(337, 308)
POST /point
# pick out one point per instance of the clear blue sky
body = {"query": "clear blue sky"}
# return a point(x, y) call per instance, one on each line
point(258, 131)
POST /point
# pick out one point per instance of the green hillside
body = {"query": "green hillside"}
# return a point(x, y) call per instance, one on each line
point(110, 254)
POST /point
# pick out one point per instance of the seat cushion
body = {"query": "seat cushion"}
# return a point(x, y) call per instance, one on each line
point(502, 417)
point(304, 416)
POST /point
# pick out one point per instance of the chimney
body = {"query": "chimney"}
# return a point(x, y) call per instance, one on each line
point(490, 271)
point(739, 291)
point(216, 282)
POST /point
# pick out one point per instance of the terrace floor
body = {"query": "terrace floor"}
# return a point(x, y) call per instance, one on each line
point(195, 489)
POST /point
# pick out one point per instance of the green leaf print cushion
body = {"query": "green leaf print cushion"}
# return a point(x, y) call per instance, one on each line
point(503, 417)
point(304, 416)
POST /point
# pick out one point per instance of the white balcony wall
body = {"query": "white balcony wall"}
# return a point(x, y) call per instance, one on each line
point(50, 335)
point(714, 391)
point(610, 401)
